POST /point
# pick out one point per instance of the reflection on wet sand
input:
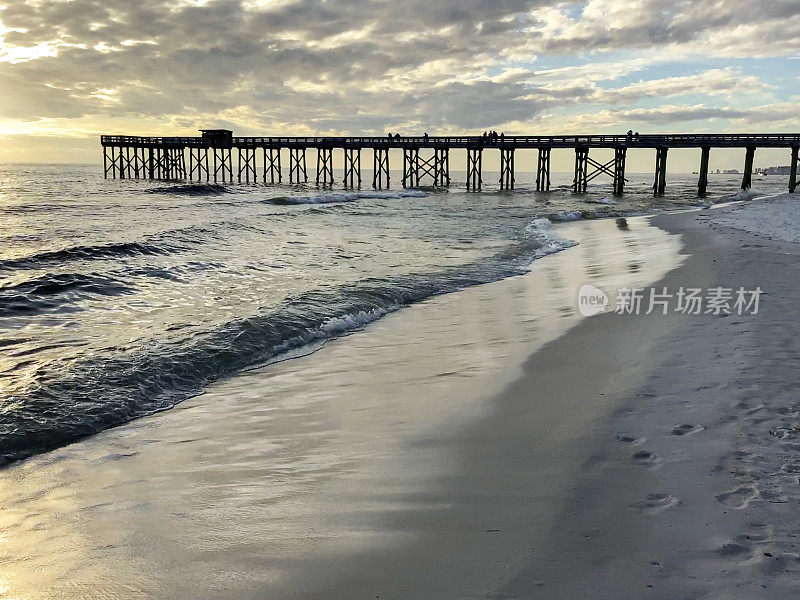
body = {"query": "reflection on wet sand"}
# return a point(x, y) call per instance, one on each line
point(279, 482)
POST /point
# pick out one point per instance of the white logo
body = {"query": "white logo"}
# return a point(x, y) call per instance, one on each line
point(591, 300)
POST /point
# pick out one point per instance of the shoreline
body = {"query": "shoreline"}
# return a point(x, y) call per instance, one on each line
point(315, 465)
point(459, 449)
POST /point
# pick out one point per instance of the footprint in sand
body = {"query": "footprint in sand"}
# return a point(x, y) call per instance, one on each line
point(629, 439)
point(643, 457)
point(738, 498)
point(687, 429)
point(733, 549)
point(655, 503)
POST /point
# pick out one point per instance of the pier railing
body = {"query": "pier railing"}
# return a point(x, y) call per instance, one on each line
point(211, 156)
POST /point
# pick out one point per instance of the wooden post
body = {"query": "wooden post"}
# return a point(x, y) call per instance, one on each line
point(580, 182)
point(474, 170)
point(619, 170)
point(325, 165)
point(151, 167)
point(543, 171)
point(507, 168)
point(247, 164)
point(105, 162)
point(380, 167)
point(410, 170)
point(297, 165)
point(272, 164)
point(441, 166)
point(660, 183)
point(793, 170)
point(747, 177)
point(702, 182)
point(352, 167)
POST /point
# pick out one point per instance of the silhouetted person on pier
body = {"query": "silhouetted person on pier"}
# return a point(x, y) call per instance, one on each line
point(636, 135)
point(397, 136)
point(425, 135)
point(630, 134)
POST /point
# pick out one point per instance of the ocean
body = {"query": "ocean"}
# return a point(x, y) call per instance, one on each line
point(121, 298)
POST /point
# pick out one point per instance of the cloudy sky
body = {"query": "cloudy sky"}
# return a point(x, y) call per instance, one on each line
point(71, 69)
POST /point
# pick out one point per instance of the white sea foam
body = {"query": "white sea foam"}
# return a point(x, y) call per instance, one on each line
point(540, 229)
point(566, 215)
point(747, 194)
point(606, 201)
point(348, 196)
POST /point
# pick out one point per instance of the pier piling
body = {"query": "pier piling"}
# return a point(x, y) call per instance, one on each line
point(474, 170)
point(747, 176)
point(223, 166)
point(325, 166)
point(702, 181)
point(580, 181)
point(410, 167)
point(660, 183)
point(272, 165)
point(506, 168)
point(352, 167)
point(441, 157)
point(793, 170)
point(247, 164)
point(619, 170)
point(297, 165)
point(543, 171)
point(380, 167)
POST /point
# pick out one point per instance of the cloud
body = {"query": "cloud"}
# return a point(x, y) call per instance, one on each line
point(339, 66)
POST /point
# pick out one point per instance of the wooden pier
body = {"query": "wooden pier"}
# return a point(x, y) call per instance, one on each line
point(426, 159)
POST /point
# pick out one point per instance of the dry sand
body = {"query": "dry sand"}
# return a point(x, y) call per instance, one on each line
point(486, 444)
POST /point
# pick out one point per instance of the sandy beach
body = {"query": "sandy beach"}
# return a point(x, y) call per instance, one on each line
point(490, 443)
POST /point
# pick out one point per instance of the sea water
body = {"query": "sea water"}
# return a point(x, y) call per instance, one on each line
point(121, 298)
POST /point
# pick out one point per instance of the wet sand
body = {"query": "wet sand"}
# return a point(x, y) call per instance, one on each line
point(691, 488)
point(486, 444)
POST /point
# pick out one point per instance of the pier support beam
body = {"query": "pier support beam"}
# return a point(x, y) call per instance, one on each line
point(151, 163)
point(543, 171)
point(580, 182)
point(125, 163)
point(441, 157)
point(325, 166)
point(619, 170)
point(223, 165)
point(793, 170)
point(747, 177)
point(247, 165)
point(506, 168)
point(702, 181)
point(380, 167)
point(272, 165)
point(198, 164)
point(297, 165)
point(410, 167)
point(352, 167)
point(660, 183)
point(474, 170)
